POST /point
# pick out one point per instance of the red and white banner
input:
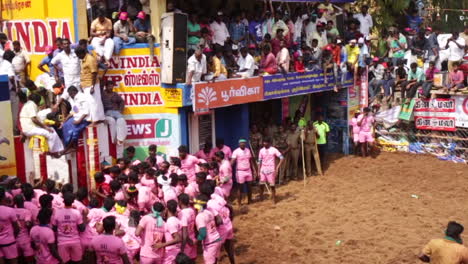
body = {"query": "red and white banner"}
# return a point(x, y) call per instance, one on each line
point(435, 114)
point(461, 113)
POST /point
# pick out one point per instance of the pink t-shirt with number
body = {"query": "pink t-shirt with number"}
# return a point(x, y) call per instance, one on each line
point(206, 219)
point(225, 175)
point(7, 217)
point(42, 236)
point(151, 234)
point(172, 226)
point(188, 166)
point(67, 221)
point(268, 155)
point(242, 157)
point(366, 122)
point(109, 249)
point(217, 205)
point(23, 215)
point(187, 219)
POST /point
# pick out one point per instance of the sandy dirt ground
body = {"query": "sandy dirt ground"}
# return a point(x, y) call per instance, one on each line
point(373, 210)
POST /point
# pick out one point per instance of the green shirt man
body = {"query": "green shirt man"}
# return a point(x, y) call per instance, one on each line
point(322, 130)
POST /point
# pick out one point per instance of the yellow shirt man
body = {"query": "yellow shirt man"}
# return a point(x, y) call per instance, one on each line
point(219, 67)
point(444, 251)
point(88, 67)
point(353, 53)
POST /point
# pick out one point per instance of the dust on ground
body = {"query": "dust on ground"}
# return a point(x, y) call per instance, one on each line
point(372, 210)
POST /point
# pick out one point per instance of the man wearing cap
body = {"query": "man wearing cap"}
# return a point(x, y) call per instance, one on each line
point(220, 31)
point(353, 54)
point(47, 60)
point(196, 67)
point(143, 35)
point(20, 62)
point(365, 20)
point(245, 170)
point(122, 29)
point(101, 31)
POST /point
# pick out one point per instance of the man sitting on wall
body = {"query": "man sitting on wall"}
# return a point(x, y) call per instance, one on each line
point(31, 126)
point(113, 107)
point(101, 32)
point(77, 120)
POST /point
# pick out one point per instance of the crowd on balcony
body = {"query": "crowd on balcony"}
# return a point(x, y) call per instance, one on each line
point(277, 39)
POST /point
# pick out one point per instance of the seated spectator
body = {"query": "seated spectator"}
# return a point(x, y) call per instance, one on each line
point(279, 24)
point(20, 62)
point(332, 32)
point(429, 82)
point(194, 32)
point(401, 74)
point(47, 60)
point(456, 78)
point(143, 32)
point(265, 42)
point(229, 61)
point(219, 70)
point(220, 31)
point(31, 126)
point(122, 30)
point(375, 85)
point(398, 46)
point(246, 64)
point(415, 79)
point(276, 42)
point(205, 40)
point(255, 29)
point(363, 53)
point(299, 64)
point(314, 62)
point(320, 35)
point(282, 58)
point(77, 120)
point(101, 37)
point(352, 51)
point(328, 64)
point(268, 63)
point(196, 67)
point(113, 106)
point(237, 31)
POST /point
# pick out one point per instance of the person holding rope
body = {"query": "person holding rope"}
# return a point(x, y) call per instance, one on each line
point(267, 161)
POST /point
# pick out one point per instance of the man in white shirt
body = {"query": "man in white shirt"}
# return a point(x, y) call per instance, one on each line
point(320, 34)
point(365, 20)
point(246, 64)
point(20, 62)
point(71, 67)
point(196, 67)
point(456, 46)
point(220, 31)
point(6, 68)
point(31, 126)
point(283, 59)
point(78, 120)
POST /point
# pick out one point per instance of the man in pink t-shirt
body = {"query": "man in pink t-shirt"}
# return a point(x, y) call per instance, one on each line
point(456, 78)
point(25, 223)
point(207, 232)
point(205, 152)
point(188, 163)
point(151, 231)
point(267, 161)
point(172, 234)
point(109, 249)
point(187, 222)
point(43, 239)
point(355, 129)
point(31, 206)
point(8, 226)
point(221, 147)
point(245, 169)
point(225, 173)
point(366, 123)
point(69, 223)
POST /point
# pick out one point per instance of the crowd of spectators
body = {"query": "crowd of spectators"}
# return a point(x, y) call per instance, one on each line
point(282, 39)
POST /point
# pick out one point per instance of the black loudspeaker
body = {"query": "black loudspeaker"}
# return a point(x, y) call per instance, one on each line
point(174, 48)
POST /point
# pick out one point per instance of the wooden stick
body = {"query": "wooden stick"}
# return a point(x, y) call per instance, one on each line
point(303, 156)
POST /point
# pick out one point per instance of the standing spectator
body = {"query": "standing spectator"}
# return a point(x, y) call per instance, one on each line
point(456, 47)
point(6, 68)
point(268, 63)
point(276, 42)
point(237, 32)
point(322, 129)
point(113, 107)
point(352, 32)
point(279, 24)
point(363, 53)
point(376, 83)
point(220, 31)
point(283, 58)
point(398, 46)
point(417, 46)
point(255, 29)
point(113, 6)
point(122, 30)
point(47, 60)
point(332, 32)
point(70, 66)
point(388, 81)
point(310, 28)
point(145, 6)
point(431, 49)
point(320, 35)
point(429, 82)
point(298, 26)
point(20, 62)
point(194, 34)
point(90, 84)
point(101, 32)
point(365, 20)
point(456, 78)
point(196, 67)
point(415, 79)
point(414, 20)
point(268, 19)
point(31, 126)
point(246, 64)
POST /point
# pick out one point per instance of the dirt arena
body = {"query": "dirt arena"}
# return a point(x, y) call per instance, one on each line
point(383, 210)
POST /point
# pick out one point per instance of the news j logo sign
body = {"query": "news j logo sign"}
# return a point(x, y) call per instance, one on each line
point(149, 128)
